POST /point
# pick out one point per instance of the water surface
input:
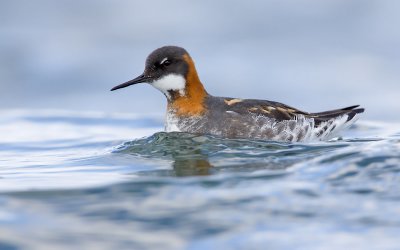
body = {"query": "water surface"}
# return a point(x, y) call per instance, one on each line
point(97, 181)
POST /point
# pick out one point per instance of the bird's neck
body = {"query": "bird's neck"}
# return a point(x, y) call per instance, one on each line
point(191, 102)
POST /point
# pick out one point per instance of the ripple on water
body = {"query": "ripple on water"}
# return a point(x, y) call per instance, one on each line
point(215, 155)
point(237, 194)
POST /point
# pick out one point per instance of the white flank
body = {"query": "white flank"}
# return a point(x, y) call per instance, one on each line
point(302, 128)
point(170, 82)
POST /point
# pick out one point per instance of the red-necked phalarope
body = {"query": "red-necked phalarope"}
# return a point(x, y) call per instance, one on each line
point(191, 109)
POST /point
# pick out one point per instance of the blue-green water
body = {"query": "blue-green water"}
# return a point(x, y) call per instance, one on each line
point(96, 181)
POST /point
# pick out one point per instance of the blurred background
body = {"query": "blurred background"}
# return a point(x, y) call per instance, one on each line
point(311, 54)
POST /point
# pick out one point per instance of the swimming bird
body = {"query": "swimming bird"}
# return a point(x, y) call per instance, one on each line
point(192, 109)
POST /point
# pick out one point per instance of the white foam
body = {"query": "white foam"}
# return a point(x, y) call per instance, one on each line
point(170, 82)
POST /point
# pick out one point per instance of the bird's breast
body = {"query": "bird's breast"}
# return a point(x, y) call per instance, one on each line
point(178, 123)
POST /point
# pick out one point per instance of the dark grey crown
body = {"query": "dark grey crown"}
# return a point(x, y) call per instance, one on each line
point(166, 60)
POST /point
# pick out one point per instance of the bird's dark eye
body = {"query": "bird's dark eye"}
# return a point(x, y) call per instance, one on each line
point(166, 63)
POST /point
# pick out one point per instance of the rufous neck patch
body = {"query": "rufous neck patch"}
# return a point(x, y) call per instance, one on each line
point(192, 103)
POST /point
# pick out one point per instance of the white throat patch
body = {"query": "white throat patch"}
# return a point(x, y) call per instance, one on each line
point(170, 82)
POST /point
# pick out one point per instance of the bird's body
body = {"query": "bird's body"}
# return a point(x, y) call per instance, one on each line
point(259, 119)
point(191, 109)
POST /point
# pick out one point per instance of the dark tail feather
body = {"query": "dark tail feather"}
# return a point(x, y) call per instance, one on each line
point(353, 112)
point(327, 115)
point(343, 110)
